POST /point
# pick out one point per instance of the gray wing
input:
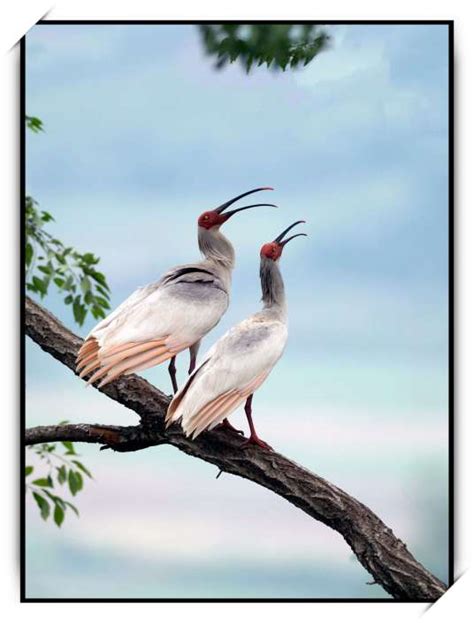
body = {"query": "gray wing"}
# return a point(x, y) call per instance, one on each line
point(192, 274)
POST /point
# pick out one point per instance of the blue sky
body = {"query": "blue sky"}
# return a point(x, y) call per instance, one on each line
point(142, 135)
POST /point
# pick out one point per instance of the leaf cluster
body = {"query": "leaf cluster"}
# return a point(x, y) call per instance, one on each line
point(278, 46)
point(62, 471)
point(48, 260)
point(34, 124)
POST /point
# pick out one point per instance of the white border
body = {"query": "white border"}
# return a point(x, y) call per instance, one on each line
point(15, 21)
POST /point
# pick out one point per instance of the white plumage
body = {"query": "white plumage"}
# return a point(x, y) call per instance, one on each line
point(233, 369)
point(241, 360)
point(160, 320)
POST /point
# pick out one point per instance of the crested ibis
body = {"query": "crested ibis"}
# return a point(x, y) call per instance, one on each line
point(240, 360)
point(161, 319)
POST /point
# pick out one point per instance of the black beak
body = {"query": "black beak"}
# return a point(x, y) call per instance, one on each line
point(291, 238)
point(279, 238)
point(225, 205)
point(255, 205)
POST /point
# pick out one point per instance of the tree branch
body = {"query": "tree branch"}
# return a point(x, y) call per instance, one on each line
point(376, 547)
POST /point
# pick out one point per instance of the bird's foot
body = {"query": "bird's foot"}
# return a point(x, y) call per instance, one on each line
point(254, 440)
point(226, 425)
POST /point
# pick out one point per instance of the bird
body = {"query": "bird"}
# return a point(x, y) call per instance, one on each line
point(240, 361)
point(159, 320)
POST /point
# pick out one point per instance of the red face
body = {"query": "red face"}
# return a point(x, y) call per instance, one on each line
point(211, 219)
point(271, 250)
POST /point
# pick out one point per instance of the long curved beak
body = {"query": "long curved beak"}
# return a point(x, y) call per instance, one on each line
point(254, 205)
point(225, 205)
point(279, 238)
point(291, 238)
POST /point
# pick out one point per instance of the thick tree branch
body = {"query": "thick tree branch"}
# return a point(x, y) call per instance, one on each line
point(376, 547)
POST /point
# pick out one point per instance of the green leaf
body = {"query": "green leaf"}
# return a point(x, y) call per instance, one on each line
point(75, 481)
point(58, 515)
point(40, 285)
point(42, 482)
point(34, 124)
point(47, 216)
point(54, 498)
point(82, 468)
point(101, 301)
point(72, 482)
point(89, 258)
point(79, 481)
point(68, 299)
point(28, 470)
point(69, 447)
point(103, 291)
point(79, 310)
point(42, 504)
point(85, 285)
point(28, 253)
point(72, 507)
point(100, 278)
point(62, 474)
point(97, 312)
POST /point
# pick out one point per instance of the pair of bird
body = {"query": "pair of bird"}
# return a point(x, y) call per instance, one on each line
point(160, 320)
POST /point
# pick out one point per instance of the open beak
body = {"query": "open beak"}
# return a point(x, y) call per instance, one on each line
point(225, 205)
point(279, 239)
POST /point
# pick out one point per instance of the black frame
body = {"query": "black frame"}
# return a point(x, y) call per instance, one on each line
point(451, 330)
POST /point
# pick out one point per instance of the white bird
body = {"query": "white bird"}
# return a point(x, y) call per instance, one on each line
point(240, 360)
point(160, 320)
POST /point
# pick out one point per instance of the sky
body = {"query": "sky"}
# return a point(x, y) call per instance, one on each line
point(142, 134)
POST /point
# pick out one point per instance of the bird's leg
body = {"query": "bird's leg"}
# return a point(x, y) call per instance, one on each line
point(172, 371)
point(193, 351)
point(254, 438)
point(226, 425)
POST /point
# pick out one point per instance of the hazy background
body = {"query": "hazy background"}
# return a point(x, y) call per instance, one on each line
point(142, 135)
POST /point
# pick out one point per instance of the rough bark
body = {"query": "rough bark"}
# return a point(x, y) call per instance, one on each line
point(376, 547)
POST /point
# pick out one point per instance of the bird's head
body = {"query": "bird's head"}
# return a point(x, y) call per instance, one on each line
point(215, 218)
point(273, 250)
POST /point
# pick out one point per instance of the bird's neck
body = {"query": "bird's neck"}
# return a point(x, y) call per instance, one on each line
point(216, 248)
point(273, 288)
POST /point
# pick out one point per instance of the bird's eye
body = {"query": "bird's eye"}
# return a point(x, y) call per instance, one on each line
point(206, 217)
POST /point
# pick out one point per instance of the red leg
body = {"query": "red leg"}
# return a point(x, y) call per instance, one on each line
point(226, 425)
point(254, 438)
point(172, 371)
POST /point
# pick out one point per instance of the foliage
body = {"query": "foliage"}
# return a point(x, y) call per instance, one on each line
point(61, 471)
point(74, 274)
point(34, 124)
point(48, 260)
point(278, 46)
